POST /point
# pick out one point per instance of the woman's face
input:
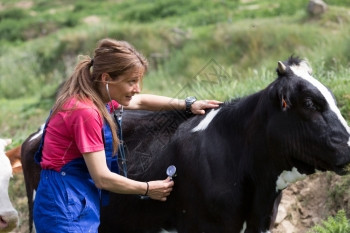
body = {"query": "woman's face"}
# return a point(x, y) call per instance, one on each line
point(126, 86)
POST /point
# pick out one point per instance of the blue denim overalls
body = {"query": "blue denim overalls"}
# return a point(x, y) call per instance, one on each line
point(68, 201)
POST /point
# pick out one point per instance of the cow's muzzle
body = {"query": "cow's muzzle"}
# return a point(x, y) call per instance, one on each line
point(8, 221)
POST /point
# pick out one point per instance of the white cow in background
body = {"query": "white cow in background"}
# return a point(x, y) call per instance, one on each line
point(8, 214)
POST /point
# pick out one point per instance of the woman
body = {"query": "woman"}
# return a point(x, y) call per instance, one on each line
point(75, 141)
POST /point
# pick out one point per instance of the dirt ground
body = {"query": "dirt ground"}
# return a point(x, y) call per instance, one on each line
point(307, 203)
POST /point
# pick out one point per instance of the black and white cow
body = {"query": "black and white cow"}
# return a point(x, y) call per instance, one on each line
point(233, 162)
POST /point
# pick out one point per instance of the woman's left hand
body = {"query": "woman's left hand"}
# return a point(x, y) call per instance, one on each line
point(199, 106)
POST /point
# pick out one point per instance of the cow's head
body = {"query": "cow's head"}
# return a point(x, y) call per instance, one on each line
point(8, 215)
point(307, 128)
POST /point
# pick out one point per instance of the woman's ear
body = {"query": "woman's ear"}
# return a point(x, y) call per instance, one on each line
point(105, 78)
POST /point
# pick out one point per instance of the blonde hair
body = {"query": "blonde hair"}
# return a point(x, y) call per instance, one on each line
point(111, 56)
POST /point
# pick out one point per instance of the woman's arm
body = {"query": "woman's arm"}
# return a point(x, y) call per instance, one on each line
point(107, 180)
point(157, 103)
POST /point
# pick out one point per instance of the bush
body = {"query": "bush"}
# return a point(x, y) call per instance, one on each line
point(13, 13)
point(337, 224)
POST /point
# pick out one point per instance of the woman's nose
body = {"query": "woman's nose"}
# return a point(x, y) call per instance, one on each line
point(136, 88)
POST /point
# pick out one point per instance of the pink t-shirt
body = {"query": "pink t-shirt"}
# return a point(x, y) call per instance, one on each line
point(71, 133)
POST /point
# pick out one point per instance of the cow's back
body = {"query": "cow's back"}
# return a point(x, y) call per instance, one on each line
point(147, 135)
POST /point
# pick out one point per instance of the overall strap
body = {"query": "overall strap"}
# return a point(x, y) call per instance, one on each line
point(112, 159)
point(121, 147)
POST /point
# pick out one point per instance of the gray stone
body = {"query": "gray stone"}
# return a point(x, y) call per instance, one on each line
point(316, 7)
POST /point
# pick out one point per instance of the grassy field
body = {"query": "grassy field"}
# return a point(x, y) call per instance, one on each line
point(190, 45)
point(40, 42)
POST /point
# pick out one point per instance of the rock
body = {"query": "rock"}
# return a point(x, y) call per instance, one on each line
point(316, 7)
point(282, 214)
point(288, 227)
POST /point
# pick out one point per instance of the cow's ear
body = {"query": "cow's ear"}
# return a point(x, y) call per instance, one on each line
point(279, 93)
point(14, 156)
point(16, 166)
point(284, 104)
point(283, 100)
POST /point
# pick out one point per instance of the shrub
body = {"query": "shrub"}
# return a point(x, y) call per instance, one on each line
point(337, 224)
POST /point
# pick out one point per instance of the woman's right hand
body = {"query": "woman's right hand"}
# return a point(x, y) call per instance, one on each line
point(160, 189)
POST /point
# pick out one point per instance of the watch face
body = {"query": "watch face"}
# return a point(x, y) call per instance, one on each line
point(190, 99)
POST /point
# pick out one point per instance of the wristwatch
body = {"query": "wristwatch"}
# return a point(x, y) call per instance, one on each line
point(189, 101)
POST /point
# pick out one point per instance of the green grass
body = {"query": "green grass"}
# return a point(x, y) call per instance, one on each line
point(250, 42)
point(20, 117)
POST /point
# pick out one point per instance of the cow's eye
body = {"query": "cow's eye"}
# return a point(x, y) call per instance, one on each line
point(310, 105)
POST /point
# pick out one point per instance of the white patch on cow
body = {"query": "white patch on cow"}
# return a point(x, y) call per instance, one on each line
point(303, 71)
point(38, 134)
point(288, 177)
point(243, 227)
point(165, 231)
point(8, 215)
point(206, 121)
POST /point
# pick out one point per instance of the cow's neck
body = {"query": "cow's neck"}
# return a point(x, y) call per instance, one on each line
point(245, 116)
